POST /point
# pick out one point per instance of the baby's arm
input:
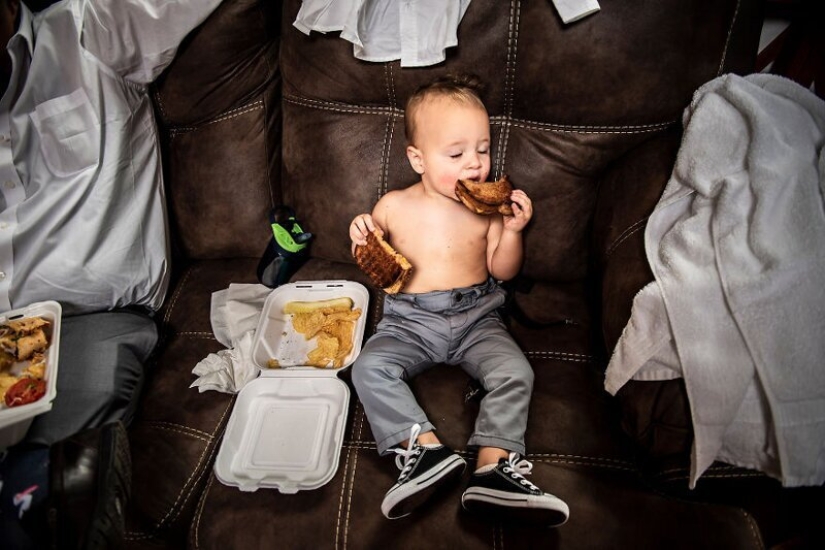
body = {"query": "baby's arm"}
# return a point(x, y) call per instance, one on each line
point(365, 223)
point(505, 249)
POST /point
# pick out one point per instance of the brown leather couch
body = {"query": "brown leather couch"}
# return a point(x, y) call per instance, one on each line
point(586, 118)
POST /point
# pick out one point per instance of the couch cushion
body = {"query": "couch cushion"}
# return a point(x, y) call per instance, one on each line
point(176, 433)
point(220, 127)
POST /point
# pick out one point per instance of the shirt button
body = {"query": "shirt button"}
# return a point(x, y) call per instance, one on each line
point(2, 275)
point(9, 184)
point(4, 225)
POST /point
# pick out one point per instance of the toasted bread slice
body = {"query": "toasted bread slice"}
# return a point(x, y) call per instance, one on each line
point(385, 267)
point(486, 198)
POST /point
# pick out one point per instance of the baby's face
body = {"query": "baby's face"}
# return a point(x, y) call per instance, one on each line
point(454, 140)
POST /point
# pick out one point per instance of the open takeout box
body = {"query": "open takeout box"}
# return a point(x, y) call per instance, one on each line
point(287, 425)
point(15, 421)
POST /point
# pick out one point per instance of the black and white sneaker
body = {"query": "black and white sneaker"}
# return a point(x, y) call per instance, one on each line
point(423, 471)
point(504, 493)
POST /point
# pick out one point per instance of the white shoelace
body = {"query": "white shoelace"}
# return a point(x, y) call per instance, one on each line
point(406, 458)
point(518, 469)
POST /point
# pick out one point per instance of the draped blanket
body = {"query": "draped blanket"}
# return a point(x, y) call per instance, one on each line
point(737, 308)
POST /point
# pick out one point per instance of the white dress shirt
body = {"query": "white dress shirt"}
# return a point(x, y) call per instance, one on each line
point(418, 32)
point(82, 210)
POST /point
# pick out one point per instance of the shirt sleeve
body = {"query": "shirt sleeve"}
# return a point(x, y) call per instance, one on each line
point(137, 39)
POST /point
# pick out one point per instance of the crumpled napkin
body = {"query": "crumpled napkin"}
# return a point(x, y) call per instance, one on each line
point(234, 315)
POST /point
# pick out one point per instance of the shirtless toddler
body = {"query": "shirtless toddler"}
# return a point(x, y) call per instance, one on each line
point(448, 314)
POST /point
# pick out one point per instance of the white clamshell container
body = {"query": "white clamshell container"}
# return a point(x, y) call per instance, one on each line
point(287, 425)
point(15, 421)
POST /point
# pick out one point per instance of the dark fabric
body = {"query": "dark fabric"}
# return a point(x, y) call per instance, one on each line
point(24, 490)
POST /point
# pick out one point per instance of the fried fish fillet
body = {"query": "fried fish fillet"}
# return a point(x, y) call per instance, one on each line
point(486, 198)
point(385, 267)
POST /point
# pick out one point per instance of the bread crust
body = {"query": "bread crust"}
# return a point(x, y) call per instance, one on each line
point(386, 268)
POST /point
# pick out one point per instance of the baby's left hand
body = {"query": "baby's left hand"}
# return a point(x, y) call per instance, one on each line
point(522, 211)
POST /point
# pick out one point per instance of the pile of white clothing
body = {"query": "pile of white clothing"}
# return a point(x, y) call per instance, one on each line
point(418, 33)
point(737, 308)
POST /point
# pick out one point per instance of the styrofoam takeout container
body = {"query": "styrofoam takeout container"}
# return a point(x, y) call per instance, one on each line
point(287, 425)
point(15, 421)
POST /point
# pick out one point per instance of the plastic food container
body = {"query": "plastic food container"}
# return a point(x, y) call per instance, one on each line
point(15, 421)
point(287, 426)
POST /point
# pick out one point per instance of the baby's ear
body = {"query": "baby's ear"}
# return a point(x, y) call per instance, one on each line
point(415, 158)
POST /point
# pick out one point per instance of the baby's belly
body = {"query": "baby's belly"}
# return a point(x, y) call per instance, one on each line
point(444, 278)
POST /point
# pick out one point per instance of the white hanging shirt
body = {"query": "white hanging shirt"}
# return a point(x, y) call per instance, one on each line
point(82, 211)
point(418, 32)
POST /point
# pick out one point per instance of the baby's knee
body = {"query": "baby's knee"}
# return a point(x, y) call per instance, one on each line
point(359, 374)
point(369, 370)
point(516, 373)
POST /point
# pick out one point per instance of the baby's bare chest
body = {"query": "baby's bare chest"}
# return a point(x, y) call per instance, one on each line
point(451, 237)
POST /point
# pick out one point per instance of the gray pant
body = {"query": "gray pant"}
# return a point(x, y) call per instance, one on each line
point(457, 327)
point(100, 373)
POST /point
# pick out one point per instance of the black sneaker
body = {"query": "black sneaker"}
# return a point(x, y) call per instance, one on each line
point(504, 493)
point(423, 471)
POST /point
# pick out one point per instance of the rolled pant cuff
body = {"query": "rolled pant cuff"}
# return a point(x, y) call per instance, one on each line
point(477, 441)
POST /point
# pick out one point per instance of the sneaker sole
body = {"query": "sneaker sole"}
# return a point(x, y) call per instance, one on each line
point(550, 512)
point(403, 501)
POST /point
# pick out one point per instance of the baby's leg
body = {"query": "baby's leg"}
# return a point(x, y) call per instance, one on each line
point(380, 377)
point(498, 488)
point(492, 357)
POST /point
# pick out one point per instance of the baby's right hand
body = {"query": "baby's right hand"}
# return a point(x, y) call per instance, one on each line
point(360, 227)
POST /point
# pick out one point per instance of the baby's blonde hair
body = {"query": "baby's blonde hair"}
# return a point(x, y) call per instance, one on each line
point(464, 89)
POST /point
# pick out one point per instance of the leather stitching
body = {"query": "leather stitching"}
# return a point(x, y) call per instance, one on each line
point(721, 68)
point(585, 129)
point(601, 462)
point(233, 113)
point(346, 489)
point(176, 295)
point(385, 154)
point(509, 86)
point(495, 120)
point(388, 133)
point(757, 537)
point(190, 483)
point(561, 356)
point(199, 512)
point(342, 107)
point(624, 236)
point(180, 429)
point(349, 479)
